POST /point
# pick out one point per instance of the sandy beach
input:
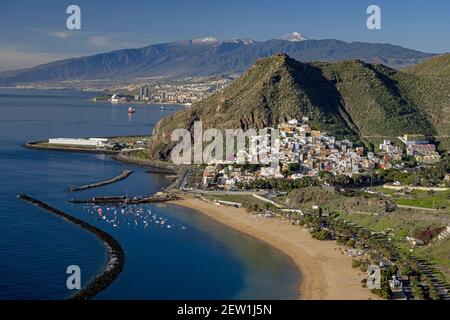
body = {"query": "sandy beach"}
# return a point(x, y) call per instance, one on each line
point(326, 273)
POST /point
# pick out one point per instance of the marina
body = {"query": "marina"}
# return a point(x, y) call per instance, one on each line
point(131, 216)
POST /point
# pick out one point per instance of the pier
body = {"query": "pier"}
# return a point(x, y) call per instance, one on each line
point(125, 174)
point(158, 197)
point(44, 145)
point(116, 257)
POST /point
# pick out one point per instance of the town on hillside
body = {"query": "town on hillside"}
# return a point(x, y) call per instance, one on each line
point(387, 207)
point(305, 152)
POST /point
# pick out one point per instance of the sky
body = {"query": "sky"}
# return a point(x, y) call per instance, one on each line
point(35, 32)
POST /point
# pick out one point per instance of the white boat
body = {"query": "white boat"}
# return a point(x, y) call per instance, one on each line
point(114, 99)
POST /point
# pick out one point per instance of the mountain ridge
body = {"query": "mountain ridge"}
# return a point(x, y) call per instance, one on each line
point(189, 58)
point(438, 66)
point(350, 99)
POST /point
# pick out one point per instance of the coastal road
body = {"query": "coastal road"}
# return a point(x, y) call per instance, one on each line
point(417, 208)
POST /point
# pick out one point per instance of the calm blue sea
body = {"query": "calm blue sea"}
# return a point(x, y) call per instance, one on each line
point(194, 258)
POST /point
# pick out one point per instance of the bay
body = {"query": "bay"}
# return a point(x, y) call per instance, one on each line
point(196, 258)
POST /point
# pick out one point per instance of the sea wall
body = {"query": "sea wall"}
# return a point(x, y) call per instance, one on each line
point(37, 145)
point(125, 174)
point(116, 257)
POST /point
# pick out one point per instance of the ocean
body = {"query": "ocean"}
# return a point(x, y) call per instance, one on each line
point(190, 256)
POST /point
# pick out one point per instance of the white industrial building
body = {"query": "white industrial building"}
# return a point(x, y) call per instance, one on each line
point(85, 142)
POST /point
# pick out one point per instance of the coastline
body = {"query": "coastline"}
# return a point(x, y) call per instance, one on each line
point(154, 166)
point(326, 272)
point(38, 145)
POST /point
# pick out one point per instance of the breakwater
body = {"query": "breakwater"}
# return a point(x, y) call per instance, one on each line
point(153, 166)
point(125, 174)
point(116, 257)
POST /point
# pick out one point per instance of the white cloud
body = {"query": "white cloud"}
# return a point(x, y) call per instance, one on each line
point(55, 33)
point(60, 34)
point(101, 41)
point(11, 59)
point(96, 39)
point(64, 44)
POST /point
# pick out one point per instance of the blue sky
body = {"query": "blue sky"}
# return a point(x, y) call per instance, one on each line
point(33, 32)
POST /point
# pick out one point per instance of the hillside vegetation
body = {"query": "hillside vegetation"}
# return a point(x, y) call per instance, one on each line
point(437, 66)
point(349, 99)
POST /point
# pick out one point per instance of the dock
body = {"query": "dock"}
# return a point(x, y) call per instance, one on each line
point(125, 174)
point(158, 197)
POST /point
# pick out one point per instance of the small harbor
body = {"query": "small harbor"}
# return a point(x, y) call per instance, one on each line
point(134, 216)
point(157, 197)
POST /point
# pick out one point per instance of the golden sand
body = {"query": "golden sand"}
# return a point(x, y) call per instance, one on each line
point(326, 272)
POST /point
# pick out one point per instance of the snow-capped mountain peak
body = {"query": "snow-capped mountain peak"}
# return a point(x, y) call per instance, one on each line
point(206, 40)
point(212, 40)
point(245, 41)
point(294, 37)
